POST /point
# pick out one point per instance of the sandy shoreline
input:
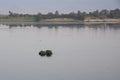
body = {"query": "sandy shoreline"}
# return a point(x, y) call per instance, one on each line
point(98, 21)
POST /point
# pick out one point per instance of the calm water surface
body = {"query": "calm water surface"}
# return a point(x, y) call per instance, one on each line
point(80, 52)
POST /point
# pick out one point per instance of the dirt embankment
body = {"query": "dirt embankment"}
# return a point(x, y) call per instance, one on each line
point(102, 21)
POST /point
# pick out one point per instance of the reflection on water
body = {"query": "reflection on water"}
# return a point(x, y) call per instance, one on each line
point(94, 26)
point(80, 52)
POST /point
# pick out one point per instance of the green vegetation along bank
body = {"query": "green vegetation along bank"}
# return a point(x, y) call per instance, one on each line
point(103, 16)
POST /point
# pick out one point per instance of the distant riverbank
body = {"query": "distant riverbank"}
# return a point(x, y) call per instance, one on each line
point(60, 21)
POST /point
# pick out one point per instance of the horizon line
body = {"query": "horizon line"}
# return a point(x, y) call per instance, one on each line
point(60, 12)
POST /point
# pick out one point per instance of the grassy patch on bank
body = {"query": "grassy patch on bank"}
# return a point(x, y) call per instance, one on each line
point(17, 19)
point(32, 19)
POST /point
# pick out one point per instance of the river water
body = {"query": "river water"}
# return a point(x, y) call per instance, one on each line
point(80, 52)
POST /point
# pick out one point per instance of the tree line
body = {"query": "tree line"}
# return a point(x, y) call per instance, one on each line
point(101, 14)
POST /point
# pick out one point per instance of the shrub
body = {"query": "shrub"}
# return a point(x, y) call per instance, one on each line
point(42, 53)
point(48, 53)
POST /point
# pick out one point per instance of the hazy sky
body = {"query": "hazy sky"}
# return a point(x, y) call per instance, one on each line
point(44, 6)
